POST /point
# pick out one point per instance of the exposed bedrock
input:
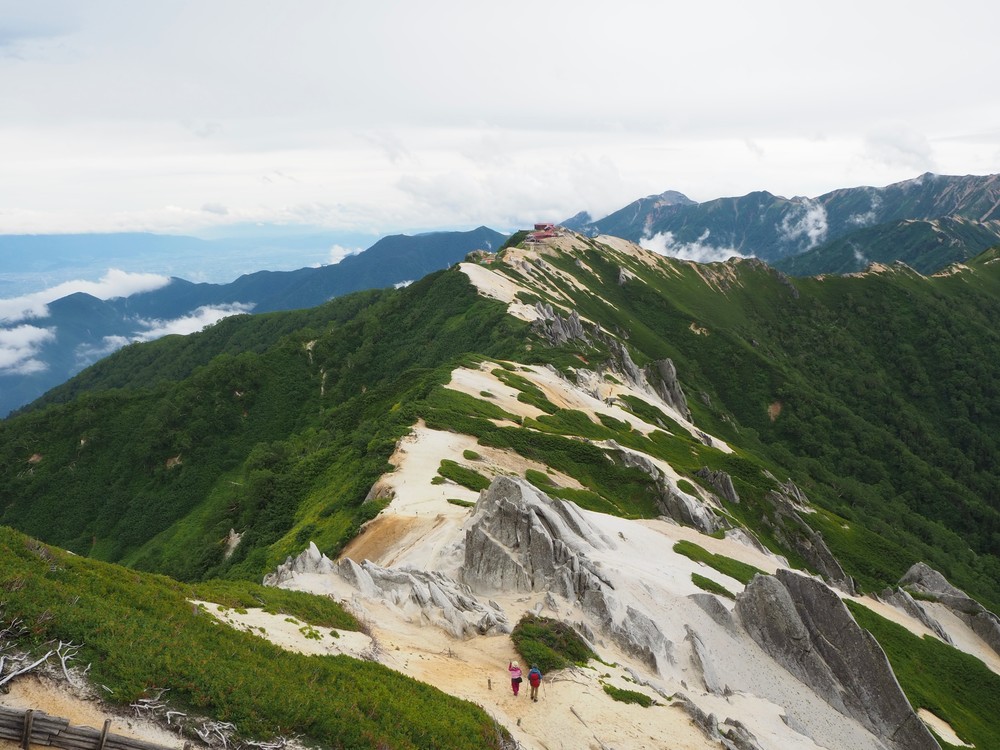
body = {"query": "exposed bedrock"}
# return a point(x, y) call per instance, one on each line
point(721, 481)
point(519, 539)
point(556, 329)
point(671, 501)
point(662, 376)
point(311, 560)
point(429, 595)
point(925, 581)
point(900, 599)
point(791, 530)
point(441, 600)
point(807, 629)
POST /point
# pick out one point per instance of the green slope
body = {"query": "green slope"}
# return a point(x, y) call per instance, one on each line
point(141, 634)
point(875, 394)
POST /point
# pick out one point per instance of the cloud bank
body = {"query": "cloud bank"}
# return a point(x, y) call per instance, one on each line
point(699, 251)
point(19, 347)
point(338, 253)
point(114, 283)
point(195, 321)
point(808, 223)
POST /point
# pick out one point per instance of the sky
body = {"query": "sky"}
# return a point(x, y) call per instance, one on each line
point(380, 117)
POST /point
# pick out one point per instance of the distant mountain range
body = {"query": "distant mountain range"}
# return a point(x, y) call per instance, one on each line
point(868, 220)
point(80, 328)
point(927, 223)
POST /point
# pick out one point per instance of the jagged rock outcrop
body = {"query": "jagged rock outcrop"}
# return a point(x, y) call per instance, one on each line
point(721, 481)
point(805, 627)
point(662, 376)
point(623, 362)
point(792, 532)
point(736, 736)
point(924, 580)
point(681, 507)
point(440, 600)
point(519, 539)
point(901, 600)
point(430, 595)
point(556, 329)
point(311, 560)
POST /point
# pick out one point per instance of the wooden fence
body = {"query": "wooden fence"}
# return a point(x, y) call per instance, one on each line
point(31, 727)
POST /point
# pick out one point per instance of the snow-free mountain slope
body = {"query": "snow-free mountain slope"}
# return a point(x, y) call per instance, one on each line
point(708, 472)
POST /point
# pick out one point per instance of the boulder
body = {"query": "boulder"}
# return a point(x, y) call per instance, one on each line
point(925, 581)
point(721, 481)
point(802, 624)
point(901, 600)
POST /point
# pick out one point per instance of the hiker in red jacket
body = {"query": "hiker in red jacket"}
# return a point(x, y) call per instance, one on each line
point(515, 676)
point(534, 679)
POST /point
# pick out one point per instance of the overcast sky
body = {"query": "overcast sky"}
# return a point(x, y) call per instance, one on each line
point(396, 116)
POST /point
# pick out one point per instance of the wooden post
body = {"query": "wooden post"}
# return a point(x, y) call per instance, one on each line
point(104, 734)
point(29, 719)
point(489, 683)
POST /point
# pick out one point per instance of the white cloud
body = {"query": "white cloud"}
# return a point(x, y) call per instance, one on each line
point(114, 283)
point(87, 354)
point(900, 146)
point(360, 102)
point(338, 253)
point(871, 215)
point(191, 323)
point(699, 251)
point(859, 256)
point(808, 222)
point(18, 347)
point(402, 284)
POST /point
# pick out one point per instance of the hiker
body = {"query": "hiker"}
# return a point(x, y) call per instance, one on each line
point(534, 679)
point(515, 676)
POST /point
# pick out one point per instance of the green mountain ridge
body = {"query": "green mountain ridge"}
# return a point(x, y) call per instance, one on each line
point(926, 245)
point(875, 394)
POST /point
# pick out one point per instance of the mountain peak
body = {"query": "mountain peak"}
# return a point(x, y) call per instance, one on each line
point(672, 198)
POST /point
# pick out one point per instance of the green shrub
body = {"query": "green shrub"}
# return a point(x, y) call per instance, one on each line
point(741, 571)
point(628, 696)
point(549, 644)
point(463, 475)
point(539, 478)
point(712, 587)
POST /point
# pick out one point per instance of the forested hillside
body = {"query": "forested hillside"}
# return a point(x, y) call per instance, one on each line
point(876, 393)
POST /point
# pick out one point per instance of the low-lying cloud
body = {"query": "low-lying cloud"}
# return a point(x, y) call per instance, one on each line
point(699, 251)
point(808, 223)
point(88, 354)
point(114, 283)
point(338, 253)
point(193, 322)
point(197, 320)
point(19, 347)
